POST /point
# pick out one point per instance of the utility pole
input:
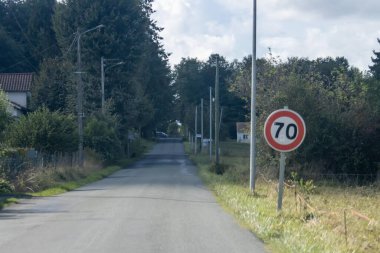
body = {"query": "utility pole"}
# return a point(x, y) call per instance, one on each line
point(210, 124)
point(252, 165)
point(201, 125)
point(102, 66)
point(80, 101)
point(196, 130)
point(80, 93)
point(102, 78)
point(217, 115)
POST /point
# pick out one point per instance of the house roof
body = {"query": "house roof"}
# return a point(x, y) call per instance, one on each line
point(243, 127)
point(16, 82)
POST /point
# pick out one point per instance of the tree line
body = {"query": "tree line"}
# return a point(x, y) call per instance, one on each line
point(339, 103)
point(40, 36)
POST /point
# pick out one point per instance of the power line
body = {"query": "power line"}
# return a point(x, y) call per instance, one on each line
point(40, 53)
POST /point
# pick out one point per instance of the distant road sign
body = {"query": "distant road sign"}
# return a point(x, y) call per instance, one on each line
point(284, 130)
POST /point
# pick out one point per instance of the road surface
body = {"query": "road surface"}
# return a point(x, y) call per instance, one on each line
point(157, 205)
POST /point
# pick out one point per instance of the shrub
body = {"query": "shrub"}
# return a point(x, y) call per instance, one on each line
point(45, 131)
point(5, 186)
point(101, 135)
point(5, 117)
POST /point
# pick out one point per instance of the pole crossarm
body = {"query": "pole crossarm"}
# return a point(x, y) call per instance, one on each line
point(89, 30)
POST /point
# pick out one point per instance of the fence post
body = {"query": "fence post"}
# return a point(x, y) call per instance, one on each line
point(345, 227)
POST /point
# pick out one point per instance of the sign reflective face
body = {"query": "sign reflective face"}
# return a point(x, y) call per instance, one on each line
point(284, 130)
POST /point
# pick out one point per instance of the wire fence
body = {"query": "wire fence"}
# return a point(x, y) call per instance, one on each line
point(343, 217)
point(346, 179)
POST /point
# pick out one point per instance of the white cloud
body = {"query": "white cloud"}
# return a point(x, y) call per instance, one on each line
point(313, 28)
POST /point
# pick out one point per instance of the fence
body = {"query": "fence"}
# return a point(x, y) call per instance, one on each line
point(12, 165)
point(308, 211)
point(342, 179)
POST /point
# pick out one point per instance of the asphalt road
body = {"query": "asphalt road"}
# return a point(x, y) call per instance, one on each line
point(157, 205)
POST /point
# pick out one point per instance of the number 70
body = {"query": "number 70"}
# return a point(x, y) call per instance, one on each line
point(288, 131)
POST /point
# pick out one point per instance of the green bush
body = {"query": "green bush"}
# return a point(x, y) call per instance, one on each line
point(46, 131)
point(101, 135)
point(5, 186)
point(5, 117)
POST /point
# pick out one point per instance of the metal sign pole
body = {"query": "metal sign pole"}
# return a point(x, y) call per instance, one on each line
point(282, 177)
point(196, 130)
point(210, 143)
point(281, 181)
point(200, 149)
point(252, 154)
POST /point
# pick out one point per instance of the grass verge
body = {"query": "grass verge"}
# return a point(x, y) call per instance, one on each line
point(60, 180)
point(72, 185)
point(328, 219)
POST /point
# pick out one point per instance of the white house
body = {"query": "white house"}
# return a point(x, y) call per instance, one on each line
point(17, 87)
point(243, 132)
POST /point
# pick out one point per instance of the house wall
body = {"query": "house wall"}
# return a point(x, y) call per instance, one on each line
point(18, 98)
point(243, 138)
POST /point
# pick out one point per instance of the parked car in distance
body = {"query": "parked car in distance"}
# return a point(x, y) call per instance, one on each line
point(161, 135)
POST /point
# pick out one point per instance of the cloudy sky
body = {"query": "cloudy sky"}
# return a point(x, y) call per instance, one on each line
point(303, 28)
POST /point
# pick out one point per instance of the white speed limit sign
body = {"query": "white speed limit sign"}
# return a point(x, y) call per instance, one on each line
point(284, 130)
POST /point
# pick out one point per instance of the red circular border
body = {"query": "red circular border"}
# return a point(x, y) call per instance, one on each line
point(301, 130)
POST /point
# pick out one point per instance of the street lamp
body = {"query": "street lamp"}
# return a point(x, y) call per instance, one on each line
point(80, 92)
point(103, 64)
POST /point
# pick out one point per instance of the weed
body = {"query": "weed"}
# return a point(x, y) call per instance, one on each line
point(315, 225)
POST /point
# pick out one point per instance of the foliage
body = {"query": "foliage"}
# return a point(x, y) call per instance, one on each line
point(101, 135)
point(342, 128)
point(5, 186)
point(219, 169)
point(5, 117)
point(318, 227)
point(306, 186)
point(41, 37)
point(131, 36)
point(173, 129)
point(45, 131)
point(54, 88)
point(27, 34)
point(192, 80)
point(375, 68)
point(339, 104)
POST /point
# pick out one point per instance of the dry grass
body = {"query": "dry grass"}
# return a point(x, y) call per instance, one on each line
point(309, 222)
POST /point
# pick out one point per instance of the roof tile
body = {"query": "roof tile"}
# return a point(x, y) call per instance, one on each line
point(16, 82)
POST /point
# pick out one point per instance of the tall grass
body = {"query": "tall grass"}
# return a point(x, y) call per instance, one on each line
point(50, 181)
point(315, 224)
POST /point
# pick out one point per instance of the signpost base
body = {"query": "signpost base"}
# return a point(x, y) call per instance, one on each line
point(281, 181)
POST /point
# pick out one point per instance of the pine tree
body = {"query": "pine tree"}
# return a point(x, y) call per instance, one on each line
point(375, 68)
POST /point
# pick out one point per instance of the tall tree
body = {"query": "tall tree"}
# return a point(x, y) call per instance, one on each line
point(29, 25)
point(132, 37)
point(189, 89)
point(53, 87)
point(375, 68)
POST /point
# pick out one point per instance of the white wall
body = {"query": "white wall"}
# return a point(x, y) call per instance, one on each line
point(18, 98)
point(240, 138)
